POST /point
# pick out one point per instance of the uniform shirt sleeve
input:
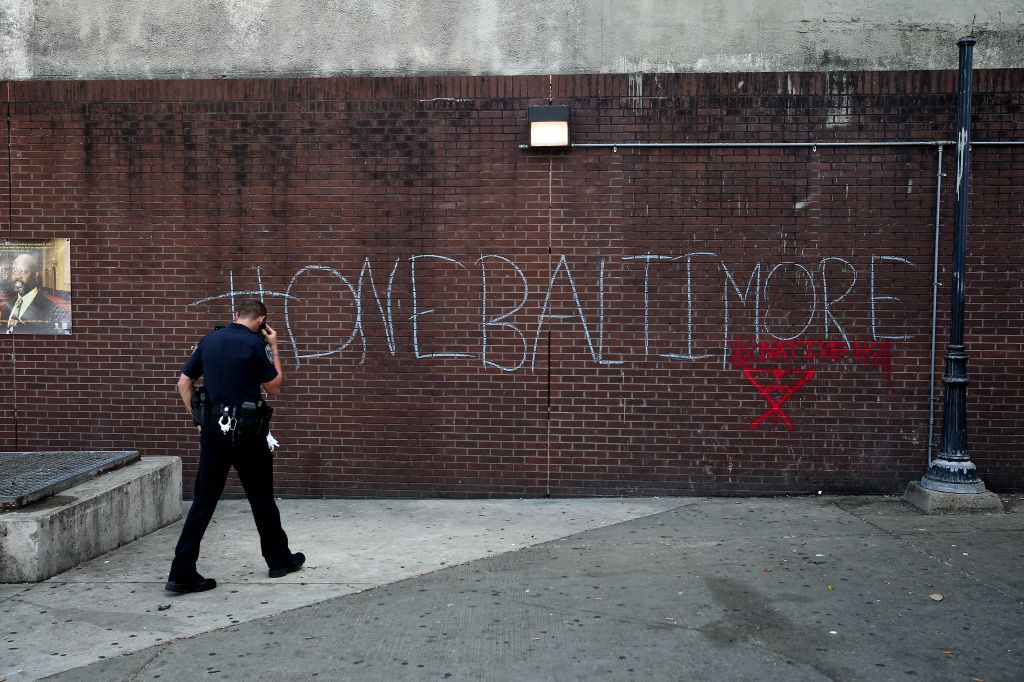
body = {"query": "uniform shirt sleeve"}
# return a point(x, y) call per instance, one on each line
point(193, 367)
point(265, 363)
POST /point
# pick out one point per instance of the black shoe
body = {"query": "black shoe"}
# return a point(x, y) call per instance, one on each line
point(295, 562)
point(197, 584)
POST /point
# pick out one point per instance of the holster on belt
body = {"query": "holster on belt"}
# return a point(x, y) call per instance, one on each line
point(200, 406)
point(254, 419)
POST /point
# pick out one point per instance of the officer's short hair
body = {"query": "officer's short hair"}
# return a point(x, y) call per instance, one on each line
point(250, 309)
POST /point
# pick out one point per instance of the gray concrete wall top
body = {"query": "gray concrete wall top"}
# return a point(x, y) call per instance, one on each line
point(115, 39)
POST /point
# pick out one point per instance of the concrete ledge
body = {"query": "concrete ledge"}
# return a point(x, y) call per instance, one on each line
point(933, 502)
point(57, 533)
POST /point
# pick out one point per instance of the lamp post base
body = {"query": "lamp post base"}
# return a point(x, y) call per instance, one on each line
point(953, 476)
point(940, 502)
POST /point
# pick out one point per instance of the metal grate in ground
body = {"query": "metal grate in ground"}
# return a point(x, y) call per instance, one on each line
point(29, 476)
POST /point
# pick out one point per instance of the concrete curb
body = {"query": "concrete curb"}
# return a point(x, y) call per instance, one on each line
point(58, 533)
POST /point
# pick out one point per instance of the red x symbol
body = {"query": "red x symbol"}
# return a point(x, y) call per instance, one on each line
point(776, 391)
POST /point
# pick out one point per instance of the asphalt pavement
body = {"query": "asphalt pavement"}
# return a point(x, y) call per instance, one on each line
point(798, 588)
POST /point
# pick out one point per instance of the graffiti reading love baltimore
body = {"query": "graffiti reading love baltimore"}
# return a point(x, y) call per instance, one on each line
point(821, 329)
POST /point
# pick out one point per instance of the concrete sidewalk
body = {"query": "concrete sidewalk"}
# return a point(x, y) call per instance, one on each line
point(793, 588)
point(116, 604)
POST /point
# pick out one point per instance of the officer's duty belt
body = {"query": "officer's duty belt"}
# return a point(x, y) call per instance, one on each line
point(220, 409)
point(229, 410)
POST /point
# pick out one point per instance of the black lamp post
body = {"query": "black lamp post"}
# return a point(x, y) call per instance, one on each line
point(952, 471)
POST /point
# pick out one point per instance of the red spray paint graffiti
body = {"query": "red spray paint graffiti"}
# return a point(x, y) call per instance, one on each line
point(744, 353)
point(779, 386)
point(759, 362)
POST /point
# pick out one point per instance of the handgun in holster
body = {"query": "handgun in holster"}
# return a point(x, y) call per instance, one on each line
point(254, 419)
point(200, 406)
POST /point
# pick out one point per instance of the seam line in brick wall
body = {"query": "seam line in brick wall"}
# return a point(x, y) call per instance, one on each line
point(10, 235)
point(547, 479)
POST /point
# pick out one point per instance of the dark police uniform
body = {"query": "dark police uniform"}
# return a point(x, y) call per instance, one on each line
point(234, 363)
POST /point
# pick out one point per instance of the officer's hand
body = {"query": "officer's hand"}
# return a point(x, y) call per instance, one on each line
point(270, 335)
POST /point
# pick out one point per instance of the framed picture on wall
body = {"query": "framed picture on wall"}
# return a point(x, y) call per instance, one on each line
point(35, 286)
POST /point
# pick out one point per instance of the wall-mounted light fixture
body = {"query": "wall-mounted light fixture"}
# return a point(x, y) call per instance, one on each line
point(549, 126)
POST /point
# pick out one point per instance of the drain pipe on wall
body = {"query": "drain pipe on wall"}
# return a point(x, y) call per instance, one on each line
point(935, 301)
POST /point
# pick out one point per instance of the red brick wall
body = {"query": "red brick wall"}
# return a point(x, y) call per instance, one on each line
point(617, 361)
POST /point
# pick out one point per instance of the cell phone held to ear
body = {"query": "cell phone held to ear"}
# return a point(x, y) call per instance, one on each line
point(263, 327)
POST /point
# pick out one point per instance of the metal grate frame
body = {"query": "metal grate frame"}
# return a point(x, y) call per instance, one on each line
point(26, 477)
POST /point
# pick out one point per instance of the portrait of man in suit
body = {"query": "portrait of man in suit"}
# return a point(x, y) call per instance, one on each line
point(29, 309)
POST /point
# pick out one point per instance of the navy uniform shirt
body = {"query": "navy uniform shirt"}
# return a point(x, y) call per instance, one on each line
point(234, 363)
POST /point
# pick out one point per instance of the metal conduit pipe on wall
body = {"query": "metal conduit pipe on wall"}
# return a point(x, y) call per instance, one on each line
point(940, 144)
point(935, 306)
point(882, 143)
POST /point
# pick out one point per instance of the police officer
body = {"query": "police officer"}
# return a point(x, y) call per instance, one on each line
point(234, 361)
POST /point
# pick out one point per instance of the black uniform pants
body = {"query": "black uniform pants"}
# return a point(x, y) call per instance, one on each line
point(253, 461)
